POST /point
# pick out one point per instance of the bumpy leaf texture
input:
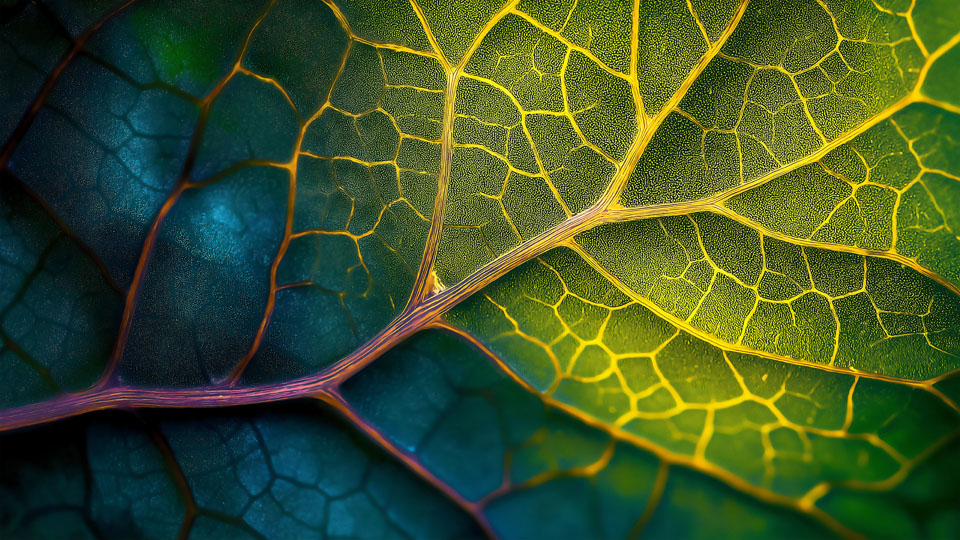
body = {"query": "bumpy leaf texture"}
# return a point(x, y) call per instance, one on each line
point(559, 269)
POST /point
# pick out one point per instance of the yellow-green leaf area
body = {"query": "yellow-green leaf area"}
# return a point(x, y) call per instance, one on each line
point(736, 286)
point(783, 431)
point(366, 176)
point(792, 79)
point(893, 190)
point(591, 268)
point(388, 22)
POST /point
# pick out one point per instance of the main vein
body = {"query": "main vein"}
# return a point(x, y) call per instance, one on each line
point(426, 309)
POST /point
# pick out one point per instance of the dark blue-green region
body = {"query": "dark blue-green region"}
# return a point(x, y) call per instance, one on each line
point(535, 471)
point(58, 313)
point(290, 471)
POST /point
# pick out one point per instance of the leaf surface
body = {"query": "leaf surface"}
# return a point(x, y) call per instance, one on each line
point(589, 268)
point(281, 472)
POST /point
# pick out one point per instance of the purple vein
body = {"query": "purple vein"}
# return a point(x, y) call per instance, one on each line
point(422, 315)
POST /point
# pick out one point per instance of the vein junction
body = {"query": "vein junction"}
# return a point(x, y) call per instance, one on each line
point(426, 173)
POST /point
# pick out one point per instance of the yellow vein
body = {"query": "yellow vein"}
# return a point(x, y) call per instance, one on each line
point(669, 457)
point(732, 347)
point(892, 255)
point(641, 142)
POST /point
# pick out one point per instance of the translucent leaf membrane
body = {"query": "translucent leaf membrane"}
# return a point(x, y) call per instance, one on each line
point(894, 190)
point(288, 471)
point(793, 78)
point(576, 337)
point(547, 108)
point(734, 285)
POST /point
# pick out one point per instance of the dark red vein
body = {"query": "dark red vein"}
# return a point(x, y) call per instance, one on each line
point(27, 120)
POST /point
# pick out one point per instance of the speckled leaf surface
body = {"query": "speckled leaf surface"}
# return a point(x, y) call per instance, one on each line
point(291, 471)
point(592, 268)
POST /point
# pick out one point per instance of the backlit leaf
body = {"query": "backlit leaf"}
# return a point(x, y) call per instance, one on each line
point(587, 268)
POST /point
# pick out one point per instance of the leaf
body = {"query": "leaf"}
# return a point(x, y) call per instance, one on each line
point(58, 313)
point(737, 286)
point(531, 469)
point(589, 268)
point(891, 191)
point(287, 471)
point(791, 430)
